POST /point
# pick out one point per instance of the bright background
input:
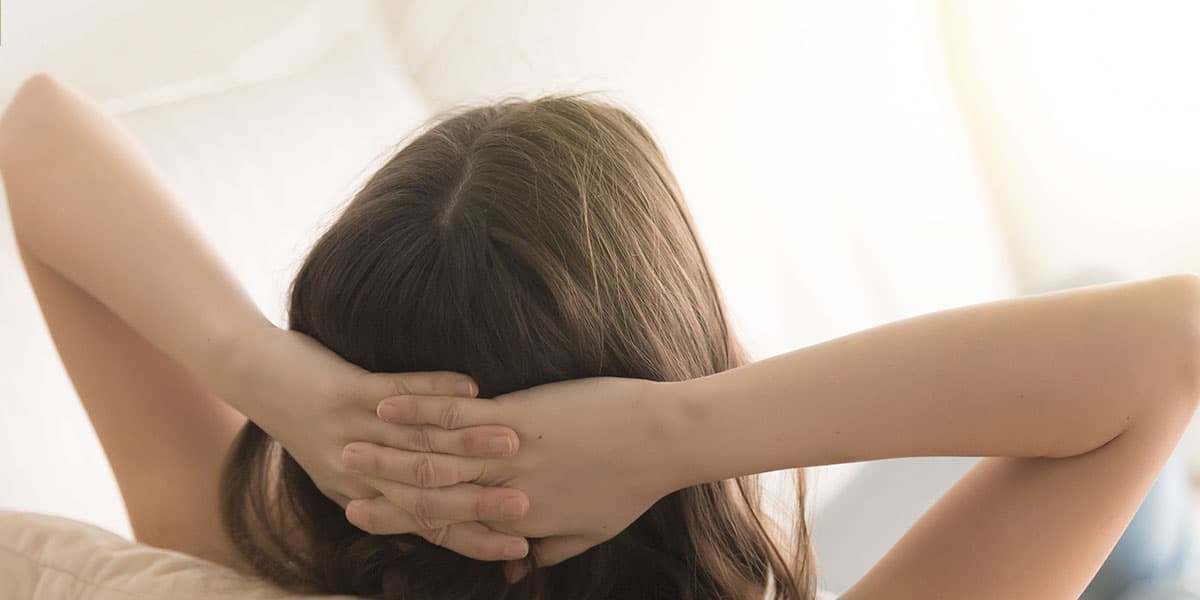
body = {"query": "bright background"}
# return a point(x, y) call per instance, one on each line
point(848, 163)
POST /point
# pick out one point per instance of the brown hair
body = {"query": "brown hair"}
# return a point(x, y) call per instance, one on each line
point(522, 242)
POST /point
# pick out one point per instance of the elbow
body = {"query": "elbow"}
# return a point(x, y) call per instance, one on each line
point(27, 124)
point(1156, 340)
point(31, 104)
point(36, 92)
point(1192, 358)
point(1181, 343)
point(36, 85)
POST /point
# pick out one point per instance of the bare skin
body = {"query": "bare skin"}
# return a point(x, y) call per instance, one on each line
point(169, 356)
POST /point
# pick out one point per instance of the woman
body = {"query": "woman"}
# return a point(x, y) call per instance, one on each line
point(526, 243)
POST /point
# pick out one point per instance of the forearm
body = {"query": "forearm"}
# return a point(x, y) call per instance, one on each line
point(85, 203)
point(1053, 375)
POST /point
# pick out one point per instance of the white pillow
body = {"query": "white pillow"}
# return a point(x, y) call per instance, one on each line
point(44, 557)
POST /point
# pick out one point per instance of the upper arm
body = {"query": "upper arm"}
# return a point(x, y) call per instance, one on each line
point(165, 436)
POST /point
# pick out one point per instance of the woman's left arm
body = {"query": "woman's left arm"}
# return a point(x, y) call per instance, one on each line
point(167, 352)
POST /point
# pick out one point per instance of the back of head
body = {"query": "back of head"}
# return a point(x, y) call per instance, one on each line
point(522, 242)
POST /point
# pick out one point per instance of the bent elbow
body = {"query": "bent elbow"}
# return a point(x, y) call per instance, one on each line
point(29, 125)
point(36, 84)
point(36, 95)
point(36, 92)
point(1182, 342)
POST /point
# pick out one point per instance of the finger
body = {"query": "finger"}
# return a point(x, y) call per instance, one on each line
point(379, 516)
point(447, 412)
point(546, 552)
point(418, 469)
point(553, 550)
point(476, 541)
point(516, 570)
point(405, 509)
point(484, 441)
point(420, 383)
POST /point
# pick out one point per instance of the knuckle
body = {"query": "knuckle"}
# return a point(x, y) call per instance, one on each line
point(399, 385)
point(426, 472)
point(483, 508)
point(452, 415)
point(482, 477)
point(422, 511)
point(439, 535)
point(421, 441)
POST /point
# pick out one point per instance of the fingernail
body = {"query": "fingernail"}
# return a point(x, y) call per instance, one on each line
point(501, 445)
point(352, 509)
point(348, 454)
point(512, 507)
point(468, 388)
point(516, 549)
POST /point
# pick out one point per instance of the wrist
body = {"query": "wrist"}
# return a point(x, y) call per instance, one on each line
point(681, 436)
point(235, 355)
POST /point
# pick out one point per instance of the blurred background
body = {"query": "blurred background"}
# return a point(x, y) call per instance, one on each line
point(847, 162)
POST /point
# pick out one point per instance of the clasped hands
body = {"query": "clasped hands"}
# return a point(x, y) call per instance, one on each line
point(549, 471)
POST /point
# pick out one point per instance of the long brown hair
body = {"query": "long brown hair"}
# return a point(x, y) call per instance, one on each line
point(522, 242)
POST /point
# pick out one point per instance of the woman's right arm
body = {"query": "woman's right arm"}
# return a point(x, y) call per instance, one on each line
point(1079, 396)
